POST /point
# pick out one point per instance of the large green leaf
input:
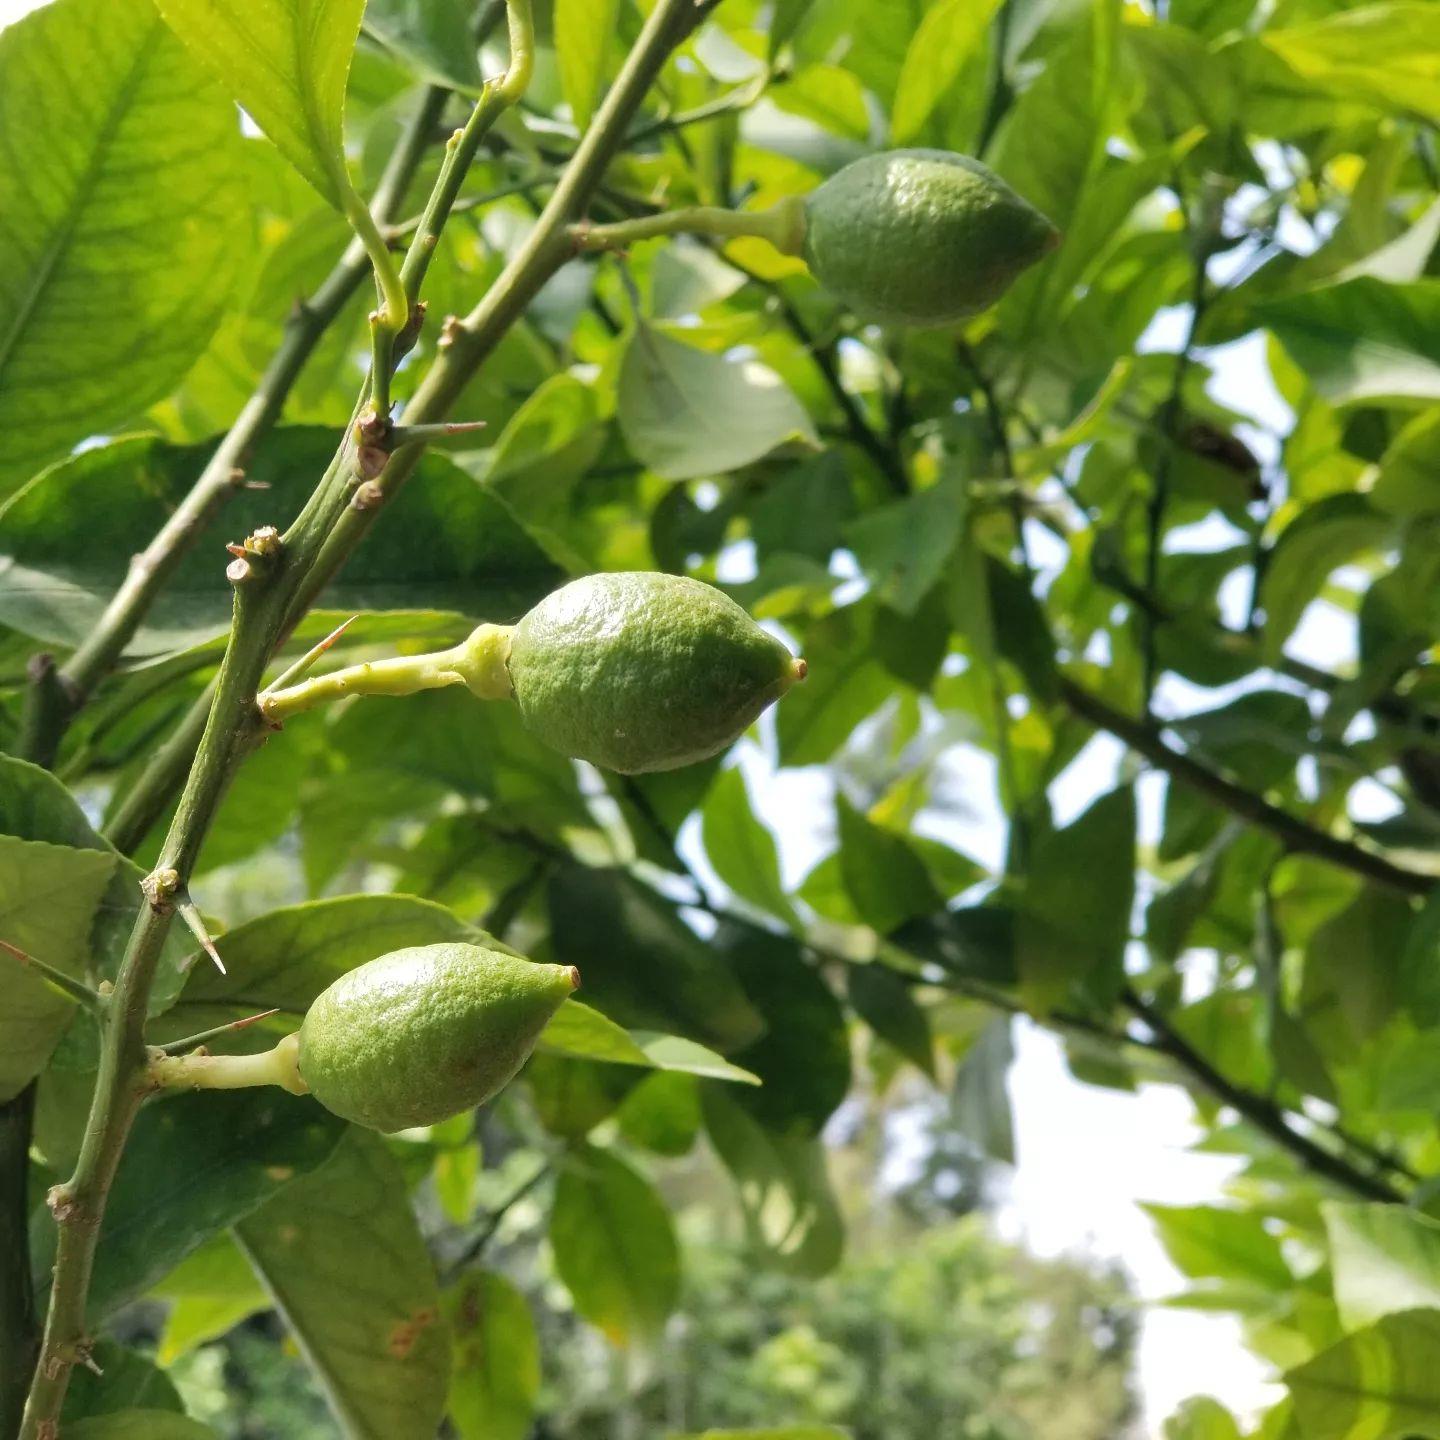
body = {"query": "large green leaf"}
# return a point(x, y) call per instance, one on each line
point(495, 1381)
point(1387, 55)
point(48, 898)
point(1377, 1384)
point(741, 849)
point(211, 1291)
point(790, 1210)
point(1209, 1243)
point(584, 41)
point(1202, 1419)
point(883, 876)
point(1385, 1258)
point(884, 1002)
point(435, 38)
point(583, 1033)
point(803, 1059)
point(192, 1166)
point(1076, 916)
point(688, 413)
point(122, 1380)
point(138, 1425)
point(342, 1256)
point(783, 1432)
point(949, 35)
point(445, 545)
point(641, 963)
point(34, 805)
point(286, 62)
point(283, 960)
point(122, 196)
point(1363, 340)
point(614, 1247)
point(904, 548)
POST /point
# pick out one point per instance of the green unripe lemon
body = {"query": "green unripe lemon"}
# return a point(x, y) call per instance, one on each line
point(920, 237)
point(422, 1034)
point(644, 671)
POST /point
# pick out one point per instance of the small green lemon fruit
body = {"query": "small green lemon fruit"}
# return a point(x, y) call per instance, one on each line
point(920, 237)
point(642, 671)
point(422, 1034)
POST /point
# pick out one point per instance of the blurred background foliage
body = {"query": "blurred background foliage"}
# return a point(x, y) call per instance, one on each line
point(1178, 491)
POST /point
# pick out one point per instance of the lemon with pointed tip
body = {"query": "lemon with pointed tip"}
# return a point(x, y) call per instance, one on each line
point(422, 1034)
point(641, 671)
point(920, 237)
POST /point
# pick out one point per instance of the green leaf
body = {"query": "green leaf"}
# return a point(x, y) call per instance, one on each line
point(785, 1432)
point(283, 960)
point(34, 805)
point(193, 1165)
point(212, 1291)
point(981, 1102)
point(1075, 922)
point(1386, 55)
point(1363, 340)
point(803, 1059)
point(1209, 1243)
point(495, 1380)
point(687, 413)
point(883, 1001)
point(1385, 1259)
point(1377, 1384)
point(138, 1425)
point(435, 38)
point(640, 961)
point(662, 1114)
point(583, 1033)
point(741, 850)
point(949, 35)
point(286, 62)
point(343, 1258)
point(883, 875)
point(122, 1380)
point(790, 1210)
point(584, 40)
point(1330, 533)
point(48, 898)
point(614, 1247)
point(1202, 1419)
point(905, 547)
point(100, 100)
point(446, 545)
point(846, 683)
point(1409, 478)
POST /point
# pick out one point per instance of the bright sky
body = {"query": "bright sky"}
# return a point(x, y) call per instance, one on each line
point(1086, 1157)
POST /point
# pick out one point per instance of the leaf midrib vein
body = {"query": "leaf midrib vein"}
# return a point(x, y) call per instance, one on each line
point(65, 232)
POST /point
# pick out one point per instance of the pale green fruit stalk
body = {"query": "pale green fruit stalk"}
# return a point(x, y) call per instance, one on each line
point(409, 1039)
point(634, 671)
point(904, 237)
point(422, 1034)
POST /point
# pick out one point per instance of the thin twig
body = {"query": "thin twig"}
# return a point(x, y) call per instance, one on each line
point(1263, 1114)
point(1295, 833)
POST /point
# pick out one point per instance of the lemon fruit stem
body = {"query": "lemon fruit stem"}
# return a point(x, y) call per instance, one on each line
point(782, 224)
point(199, 1071)
point(478, 663)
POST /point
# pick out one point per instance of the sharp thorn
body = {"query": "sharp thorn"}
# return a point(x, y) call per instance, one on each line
point(185, 908)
